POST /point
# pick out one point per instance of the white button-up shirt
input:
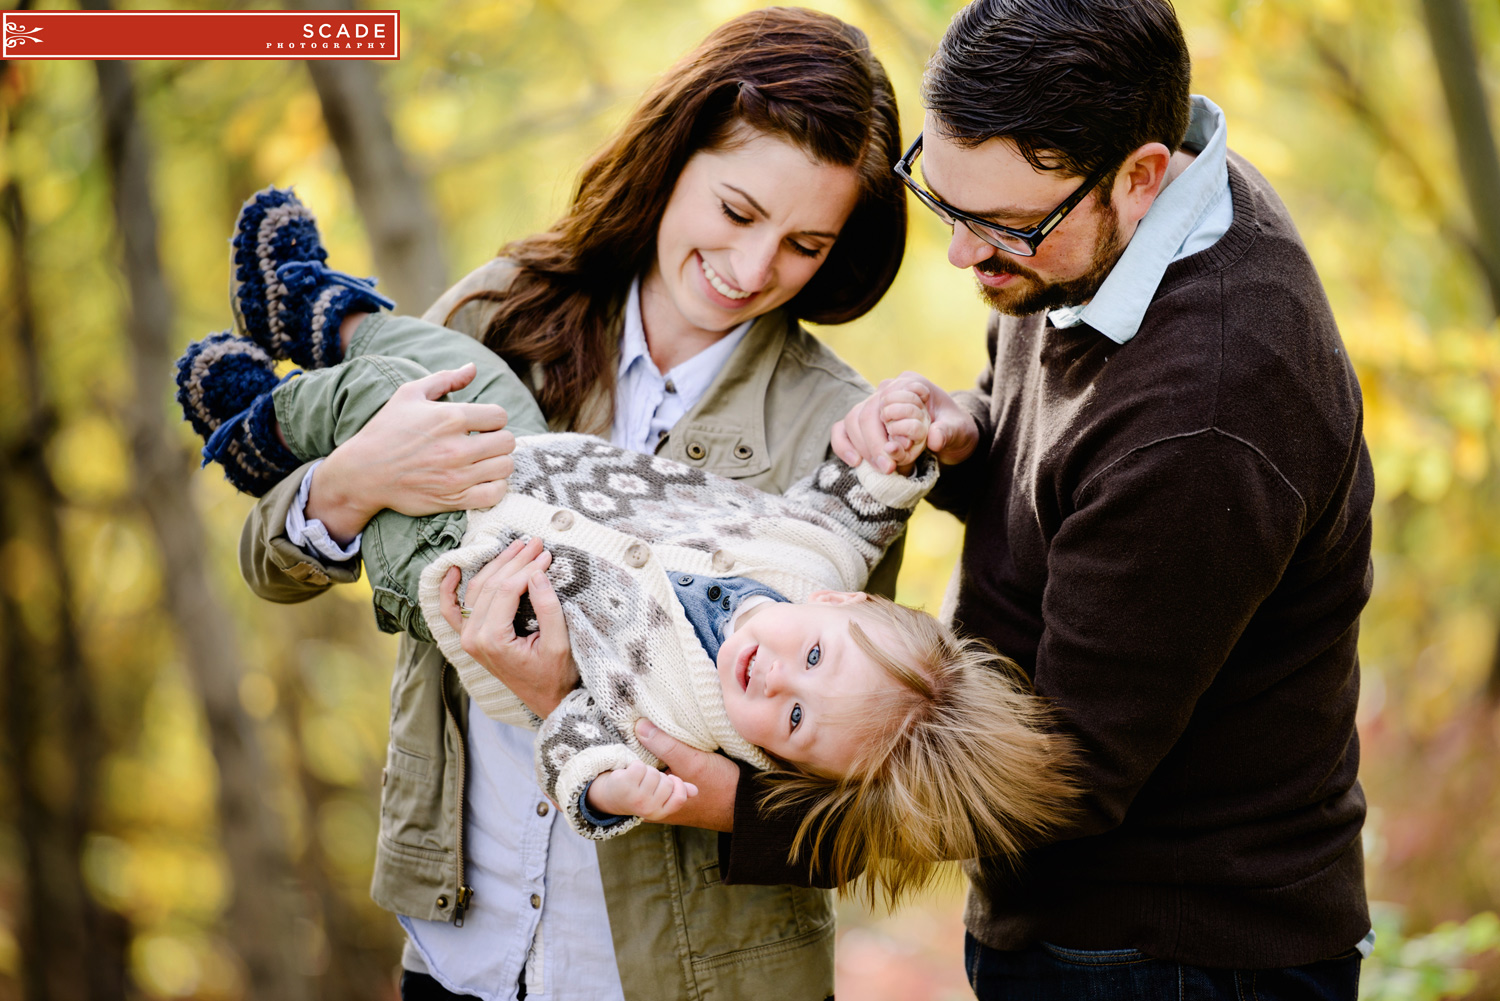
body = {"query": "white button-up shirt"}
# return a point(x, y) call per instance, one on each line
point(648, 404)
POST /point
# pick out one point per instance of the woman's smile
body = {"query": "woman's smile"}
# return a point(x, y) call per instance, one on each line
point(719, 285)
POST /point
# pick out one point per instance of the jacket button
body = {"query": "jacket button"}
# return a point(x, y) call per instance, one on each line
point(695, 450)
point(685, 580)
point(442, 903)
point(743, 451)
point(637, 555)
point(714, 592)
point(723, 560)
point(725, 604)
point(536, 901)
point(541, 809)
point(562, 520)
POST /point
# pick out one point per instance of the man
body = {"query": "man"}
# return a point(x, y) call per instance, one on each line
point(1167, 500)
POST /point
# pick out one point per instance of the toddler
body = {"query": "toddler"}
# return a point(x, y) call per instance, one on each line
point(730, 618)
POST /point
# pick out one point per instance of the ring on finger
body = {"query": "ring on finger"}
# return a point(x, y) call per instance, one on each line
point(464, 610)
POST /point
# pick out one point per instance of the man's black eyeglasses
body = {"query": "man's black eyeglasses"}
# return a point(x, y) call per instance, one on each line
point(1021, 242)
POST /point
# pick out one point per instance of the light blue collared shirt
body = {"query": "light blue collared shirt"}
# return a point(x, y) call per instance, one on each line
point(648, 403)
point(1190, 214)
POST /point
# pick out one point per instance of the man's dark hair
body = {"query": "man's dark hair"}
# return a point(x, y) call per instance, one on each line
point(1075, 84)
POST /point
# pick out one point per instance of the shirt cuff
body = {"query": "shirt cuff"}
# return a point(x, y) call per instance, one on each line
point(311, 534)
point(759, 850)
point(593, 816)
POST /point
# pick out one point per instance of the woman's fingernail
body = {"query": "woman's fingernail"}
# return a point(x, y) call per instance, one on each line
point(645, 729)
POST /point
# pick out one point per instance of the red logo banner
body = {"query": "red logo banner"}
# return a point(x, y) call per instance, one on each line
point(202, 34)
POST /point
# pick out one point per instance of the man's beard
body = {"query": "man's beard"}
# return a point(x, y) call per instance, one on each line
point(1032, 295)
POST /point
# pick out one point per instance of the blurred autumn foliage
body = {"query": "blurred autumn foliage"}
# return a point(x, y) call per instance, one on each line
point(189, 796)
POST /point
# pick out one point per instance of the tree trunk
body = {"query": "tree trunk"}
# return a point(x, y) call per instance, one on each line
point(266, 903)
point(48, 694)
point(402, 227)
point(1457, 59)
point(1452, 36)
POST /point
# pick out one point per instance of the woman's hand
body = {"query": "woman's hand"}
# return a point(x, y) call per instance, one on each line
point(714, 776)
point(638, 790)
point(538, 667)
point(416, 456)
point(861, 436)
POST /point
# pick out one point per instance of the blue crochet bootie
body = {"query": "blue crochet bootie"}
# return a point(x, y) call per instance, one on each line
point(224, 385)
point(285, 299)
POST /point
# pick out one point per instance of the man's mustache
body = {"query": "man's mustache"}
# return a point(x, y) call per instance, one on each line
point(998, 265)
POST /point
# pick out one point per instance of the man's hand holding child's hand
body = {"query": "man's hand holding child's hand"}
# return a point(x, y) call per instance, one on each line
point(641, 791)
point(887, 431)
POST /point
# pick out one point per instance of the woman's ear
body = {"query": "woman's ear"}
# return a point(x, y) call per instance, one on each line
point(837, 597)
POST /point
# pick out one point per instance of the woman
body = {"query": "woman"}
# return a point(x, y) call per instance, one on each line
point(751, 188)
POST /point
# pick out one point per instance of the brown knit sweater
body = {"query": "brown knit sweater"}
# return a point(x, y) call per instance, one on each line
point(1173, 537)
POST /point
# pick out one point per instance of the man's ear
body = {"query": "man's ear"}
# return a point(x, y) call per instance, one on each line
point(1140, 180)
point(837, 597)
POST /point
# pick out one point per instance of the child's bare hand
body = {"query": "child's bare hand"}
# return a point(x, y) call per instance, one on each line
point(904, 412)
point(639, 790)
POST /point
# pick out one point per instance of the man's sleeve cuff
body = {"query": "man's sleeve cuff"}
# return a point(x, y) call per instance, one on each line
point(758, 850)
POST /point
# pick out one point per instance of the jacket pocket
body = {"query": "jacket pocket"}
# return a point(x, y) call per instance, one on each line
point(417, 810)
point(411, 803)
point(734, 924)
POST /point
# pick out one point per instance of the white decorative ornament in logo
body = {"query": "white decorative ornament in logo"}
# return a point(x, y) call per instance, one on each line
point(16, 34)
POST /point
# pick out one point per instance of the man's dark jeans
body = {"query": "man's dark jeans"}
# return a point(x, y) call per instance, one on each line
point(421, 987)
point(1051, 973)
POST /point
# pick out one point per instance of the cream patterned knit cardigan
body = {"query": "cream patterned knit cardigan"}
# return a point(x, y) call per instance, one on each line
point(615, 522)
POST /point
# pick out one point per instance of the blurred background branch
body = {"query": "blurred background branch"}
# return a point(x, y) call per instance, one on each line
point(54, 740)
point(403, 231)
point(264, 898)
point(1457, 61)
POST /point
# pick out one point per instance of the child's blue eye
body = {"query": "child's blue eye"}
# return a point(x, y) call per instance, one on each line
point(814, 655)
point(796, 716)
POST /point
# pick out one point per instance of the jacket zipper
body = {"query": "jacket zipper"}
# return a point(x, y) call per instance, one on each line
point(465, 892)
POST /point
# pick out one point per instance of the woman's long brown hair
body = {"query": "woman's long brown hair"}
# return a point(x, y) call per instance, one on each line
point(792, 73)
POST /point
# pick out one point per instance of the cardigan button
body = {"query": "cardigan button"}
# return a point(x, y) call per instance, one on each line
point(685, 580)
point(723, 560)
point(695, 450)
point(637, 555)
point(714, 592)
point(743, 451)
point(562, 520)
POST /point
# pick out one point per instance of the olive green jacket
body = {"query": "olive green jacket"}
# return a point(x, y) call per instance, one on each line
point(679, 931)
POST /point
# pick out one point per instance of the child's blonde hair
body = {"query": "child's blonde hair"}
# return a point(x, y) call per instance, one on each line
point(959, 760)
